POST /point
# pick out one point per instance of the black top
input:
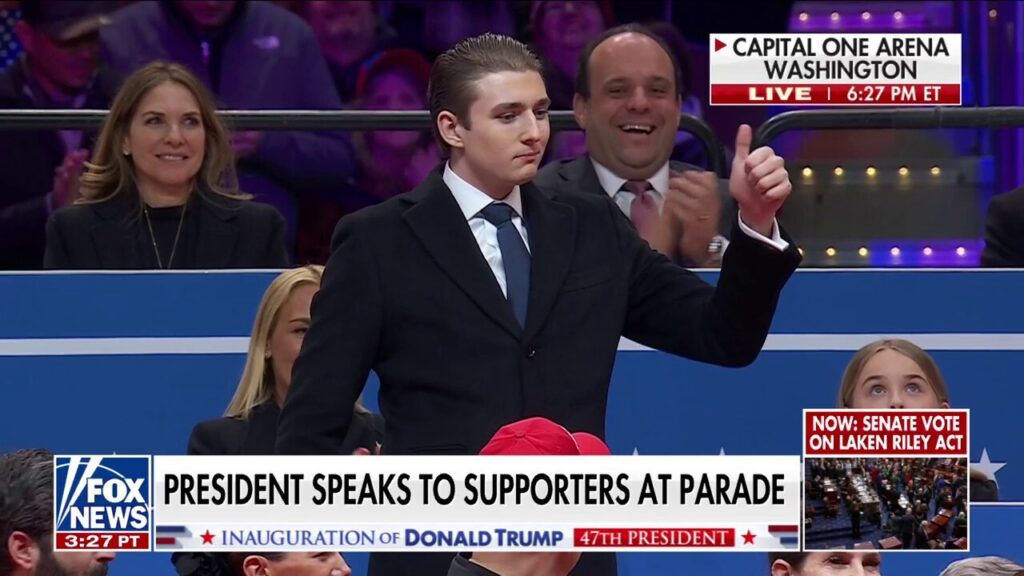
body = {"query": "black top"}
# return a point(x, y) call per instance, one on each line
point(217, 232)
point(463, 567)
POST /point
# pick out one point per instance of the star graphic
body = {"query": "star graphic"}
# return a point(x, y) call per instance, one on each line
point(636, 451)
point(721, 451)
point(748, 538)
point(207, 537)
point(987, 466)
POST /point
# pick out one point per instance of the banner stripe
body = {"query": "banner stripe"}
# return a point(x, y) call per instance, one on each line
point(240, 344)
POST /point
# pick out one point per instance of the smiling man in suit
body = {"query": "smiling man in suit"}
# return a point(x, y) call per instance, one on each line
point(479, 299)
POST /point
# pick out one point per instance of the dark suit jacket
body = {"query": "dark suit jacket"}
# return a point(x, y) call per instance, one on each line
point(102, 236)
point(578, 175)
point(408, 294)
point(1004, 231)
point(256, 435)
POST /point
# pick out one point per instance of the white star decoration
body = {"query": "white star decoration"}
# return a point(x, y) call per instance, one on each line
point(721, 451)
point(636, 451)
point(987, 466)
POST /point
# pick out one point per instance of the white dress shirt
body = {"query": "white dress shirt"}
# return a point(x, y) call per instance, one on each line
point(612, 185)
point(472, 200)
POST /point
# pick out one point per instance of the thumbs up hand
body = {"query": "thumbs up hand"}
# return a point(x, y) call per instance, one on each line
point(759, 182)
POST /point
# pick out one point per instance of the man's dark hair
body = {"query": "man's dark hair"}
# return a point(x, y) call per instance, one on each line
point(794, 559)
point(26, 499)
point(456, 71)
point(583, 69)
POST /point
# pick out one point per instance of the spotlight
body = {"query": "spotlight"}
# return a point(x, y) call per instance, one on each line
point(838, 171)
point(863, 251)
point(830, 251)
point(895, 251)
point(871, 171)
point(992, 13)
point(927, 251)
point(800, 250)
point(960, 251)
point(897, 16)
point(865, 15)
point(807, 172)
point(804, 16)
point(904, 170)
point(936, 171)
point(835, 16)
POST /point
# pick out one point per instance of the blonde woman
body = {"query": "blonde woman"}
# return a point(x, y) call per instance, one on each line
point(160, 191)
point(896, 373)
point(250, 423)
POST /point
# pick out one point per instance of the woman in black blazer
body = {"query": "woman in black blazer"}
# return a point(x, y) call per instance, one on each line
point(160, 191)
point(250, 424)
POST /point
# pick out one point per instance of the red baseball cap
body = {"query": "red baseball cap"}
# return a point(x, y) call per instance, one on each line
point(541, 437)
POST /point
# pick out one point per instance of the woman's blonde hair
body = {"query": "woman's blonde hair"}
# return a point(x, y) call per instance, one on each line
point(923, 360)
point(111, 173)
point(257, 384)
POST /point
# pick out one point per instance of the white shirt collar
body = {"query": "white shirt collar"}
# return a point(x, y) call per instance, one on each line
point(612, 183)
point(472, 200)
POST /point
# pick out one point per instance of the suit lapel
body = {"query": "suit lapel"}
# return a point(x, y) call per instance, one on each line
point(580, 173)
point(261, 430)
point(438, 223)
point(218, 233)
point(115, 238)
point(552, 231)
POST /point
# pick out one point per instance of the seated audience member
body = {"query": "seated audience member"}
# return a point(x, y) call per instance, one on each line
point(390, 161)
point(895, 373)
point(249, 426)
point(349, 33)
point(983, 566)
point(263, 564)
point(628, 103)
point(825, 563)
point(1004, 231)
point(252, 56)
point(58, 69)
point(560, 30)
point(529, 437)
point(26, 522)
point(160, 192)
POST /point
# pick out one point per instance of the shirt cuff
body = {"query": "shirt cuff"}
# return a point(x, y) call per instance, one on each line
point(775, 241)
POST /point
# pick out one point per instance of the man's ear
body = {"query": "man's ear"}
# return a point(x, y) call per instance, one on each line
point(255, 565)
point(782, 568)
point(580, 109)
point(23, 550)
point(450, 129)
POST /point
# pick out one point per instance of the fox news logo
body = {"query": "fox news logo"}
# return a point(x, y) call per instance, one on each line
point(101, 503)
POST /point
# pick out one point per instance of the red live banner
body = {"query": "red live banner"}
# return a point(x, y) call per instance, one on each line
point(837, 94)
point(885, 433)
point(654, 537)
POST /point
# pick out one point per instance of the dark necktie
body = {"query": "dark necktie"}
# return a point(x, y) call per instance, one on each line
point(515, 258)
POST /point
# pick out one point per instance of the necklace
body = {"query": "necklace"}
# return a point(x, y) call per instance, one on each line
point(152, 236)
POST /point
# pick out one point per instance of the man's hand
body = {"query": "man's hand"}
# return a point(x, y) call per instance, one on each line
point(246, 142)
point(66, 178)
point(693, 205)
point(759, 182)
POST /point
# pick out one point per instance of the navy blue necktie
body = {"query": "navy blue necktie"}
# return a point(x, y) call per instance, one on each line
point(514, 257)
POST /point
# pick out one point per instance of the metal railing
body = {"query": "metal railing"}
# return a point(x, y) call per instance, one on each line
point(354, 120)
point(873, 119)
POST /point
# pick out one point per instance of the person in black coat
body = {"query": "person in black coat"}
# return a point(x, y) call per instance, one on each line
point(469, 329)
point(1004, 231)
point(160, 191)
point(249, 427)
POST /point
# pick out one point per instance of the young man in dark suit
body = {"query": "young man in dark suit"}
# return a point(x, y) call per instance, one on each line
point(479, 299)
point(628, 102)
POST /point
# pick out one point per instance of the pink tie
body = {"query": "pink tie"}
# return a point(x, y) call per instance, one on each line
point(643, 210)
